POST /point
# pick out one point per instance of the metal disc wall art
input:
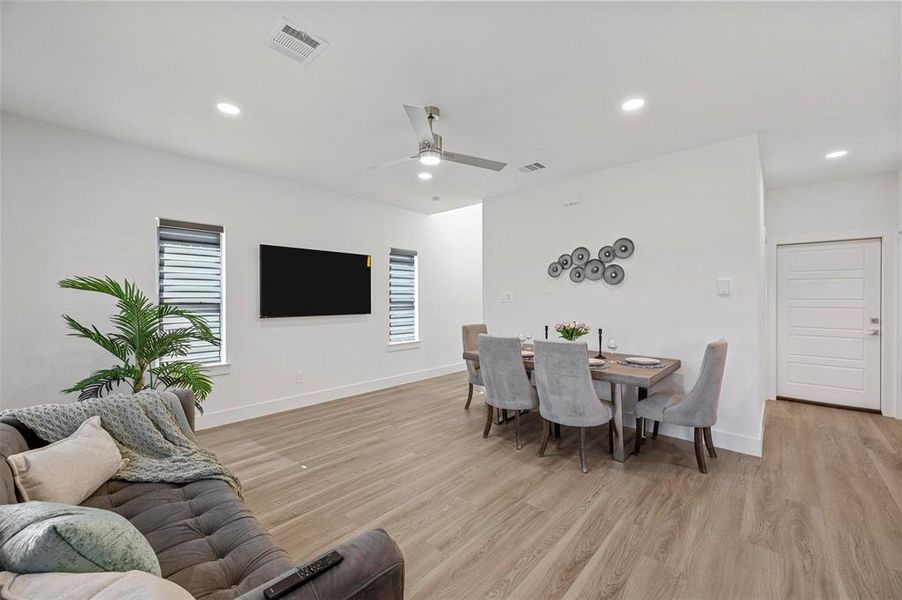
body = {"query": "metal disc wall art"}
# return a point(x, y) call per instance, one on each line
point(580, 256)
point(595, 269)
point(565, 261)
point(613, 274)
point(606, 254)
point(623, 248)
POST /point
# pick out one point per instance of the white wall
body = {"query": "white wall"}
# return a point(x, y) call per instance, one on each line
point(79, 204)
point(840, 205)
point(694, 216)
point(853, 208)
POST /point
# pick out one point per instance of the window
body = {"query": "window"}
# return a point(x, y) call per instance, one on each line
point(191, 277)
point(402, 296)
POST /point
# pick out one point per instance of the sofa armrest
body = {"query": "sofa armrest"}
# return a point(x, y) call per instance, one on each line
point(372, 569)
point(186, 397)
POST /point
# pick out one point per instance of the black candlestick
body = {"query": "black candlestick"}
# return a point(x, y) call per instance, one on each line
point(546, 332)
point(600, 355)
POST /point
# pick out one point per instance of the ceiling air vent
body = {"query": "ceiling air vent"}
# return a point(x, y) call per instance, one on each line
point(294, 42)
point(532, 167)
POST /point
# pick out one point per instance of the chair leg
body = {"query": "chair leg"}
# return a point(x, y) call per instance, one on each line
point(546, 433)
point(557, 430)
point(654, 434)
point(611, 436)
point(517, 429)
point(583, 464)
point(709, 443)
point(469, 397)
point(489, 417)
point(699, 451)
point(638, 445)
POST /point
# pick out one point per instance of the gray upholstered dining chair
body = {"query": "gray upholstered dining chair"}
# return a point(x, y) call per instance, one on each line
point(697, 409)
point(567, 395)
point(507, 386)
point(471, 344)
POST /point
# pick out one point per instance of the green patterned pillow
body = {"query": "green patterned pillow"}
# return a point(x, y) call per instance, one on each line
point(41, 537)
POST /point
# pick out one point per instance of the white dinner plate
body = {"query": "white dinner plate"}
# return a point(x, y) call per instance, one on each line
point(527, 353)
point(596, 362)
point(641, 360)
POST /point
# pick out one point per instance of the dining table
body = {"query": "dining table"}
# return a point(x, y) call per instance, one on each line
point(622, 377)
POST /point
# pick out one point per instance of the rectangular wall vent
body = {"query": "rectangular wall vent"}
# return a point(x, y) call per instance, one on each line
point(292, 41)
point(531, 167)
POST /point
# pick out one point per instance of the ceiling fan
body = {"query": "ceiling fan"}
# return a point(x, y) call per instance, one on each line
point(429, 151)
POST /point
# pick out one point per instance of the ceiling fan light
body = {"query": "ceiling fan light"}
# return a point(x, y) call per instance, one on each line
point(430, 158)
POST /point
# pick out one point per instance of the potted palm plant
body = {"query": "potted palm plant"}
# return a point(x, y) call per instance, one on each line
point(147, 354)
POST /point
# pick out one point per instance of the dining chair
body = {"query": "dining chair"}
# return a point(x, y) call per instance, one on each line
point(567, 395)
point(506, 384)
point(697, 409)
point(471, 344)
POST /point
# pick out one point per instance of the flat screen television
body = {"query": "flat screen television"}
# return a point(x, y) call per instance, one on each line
point(298, 282)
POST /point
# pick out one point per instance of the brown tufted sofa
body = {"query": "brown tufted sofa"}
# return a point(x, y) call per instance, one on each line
point(209, 542)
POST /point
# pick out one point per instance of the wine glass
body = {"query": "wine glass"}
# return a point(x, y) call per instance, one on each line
point(612, 344)
point(530, 341)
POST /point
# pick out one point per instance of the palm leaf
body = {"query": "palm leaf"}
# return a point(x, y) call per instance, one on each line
point(102, 381)
point(200, 329)
point(135, 319)
point(108, 343)
point(184, 374)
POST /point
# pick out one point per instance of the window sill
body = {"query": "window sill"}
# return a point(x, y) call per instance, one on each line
point(397, 346)
point(216, 369)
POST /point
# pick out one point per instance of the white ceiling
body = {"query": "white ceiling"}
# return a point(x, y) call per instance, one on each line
point(517, 82)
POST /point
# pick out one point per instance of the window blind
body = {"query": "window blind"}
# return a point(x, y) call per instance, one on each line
point(402, 296)
point(191, 278)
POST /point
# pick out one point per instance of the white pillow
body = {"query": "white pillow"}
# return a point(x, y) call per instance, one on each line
point(131, 585)
point(70, 470)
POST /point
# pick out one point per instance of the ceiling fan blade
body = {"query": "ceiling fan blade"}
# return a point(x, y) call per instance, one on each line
point(420, 122)
point(390, 163)
point(473, 161)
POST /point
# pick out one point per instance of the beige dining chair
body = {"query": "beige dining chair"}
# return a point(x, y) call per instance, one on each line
point(507, 385)
point(697, 409)
point(471, 344)
point(567, 395)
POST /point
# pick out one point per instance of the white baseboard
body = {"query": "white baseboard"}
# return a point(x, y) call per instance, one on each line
point(737, 442)
point(277, 405)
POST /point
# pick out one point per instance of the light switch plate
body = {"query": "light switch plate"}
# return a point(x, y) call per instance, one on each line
point(724, 286)
point(507, 297)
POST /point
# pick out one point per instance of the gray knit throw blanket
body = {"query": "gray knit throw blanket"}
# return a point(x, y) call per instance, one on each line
point(150, 428)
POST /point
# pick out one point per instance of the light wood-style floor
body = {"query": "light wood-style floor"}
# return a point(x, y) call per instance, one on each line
point(819, 516)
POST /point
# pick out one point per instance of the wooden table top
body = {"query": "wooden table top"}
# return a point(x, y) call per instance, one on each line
point(615, 372)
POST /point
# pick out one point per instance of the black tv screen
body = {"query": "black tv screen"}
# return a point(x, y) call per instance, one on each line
point(297, 282)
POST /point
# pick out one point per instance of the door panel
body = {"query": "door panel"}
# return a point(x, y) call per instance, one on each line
point(828, 322)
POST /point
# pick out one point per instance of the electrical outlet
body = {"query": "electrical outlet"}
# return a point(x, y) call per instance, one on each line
point(299, 377)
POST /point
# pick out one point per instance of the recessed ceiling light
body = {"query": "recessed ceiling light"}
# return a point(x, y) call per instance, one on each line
point(836, 154)
point(633, 104)
point(425, 176)
point(228, 109)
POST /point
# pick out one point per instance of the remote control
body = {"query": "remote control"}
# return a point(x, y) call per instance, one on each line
point(302, 575)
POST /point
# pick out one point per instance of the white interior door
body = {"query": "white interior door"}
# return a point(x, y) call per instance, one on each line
point(828, 322)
